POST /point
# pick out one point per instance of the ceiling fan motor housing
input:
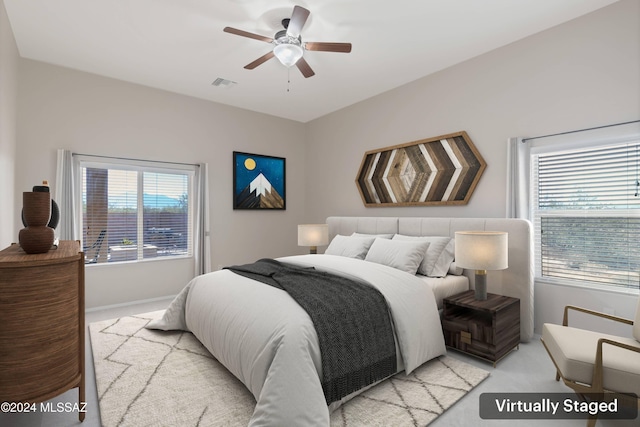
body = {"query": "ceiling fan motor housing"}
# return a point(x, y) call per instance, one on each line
point(281, 37)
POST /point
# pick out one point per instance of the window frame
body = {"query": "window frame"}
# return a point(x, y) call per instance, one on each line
point(565, 143)
point(82, 161)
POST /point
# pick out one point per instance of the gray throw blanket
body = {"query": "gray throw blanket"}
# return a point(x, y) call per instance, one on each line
point(351, 319)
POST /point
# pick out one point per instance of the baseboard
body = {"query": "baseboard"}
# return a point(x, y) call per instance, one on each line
point(169, 298)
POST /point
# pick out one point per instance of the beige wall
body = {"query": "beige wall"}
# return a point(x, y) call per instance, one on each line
point(89, 114)
point(579, 74)
point(8, 99)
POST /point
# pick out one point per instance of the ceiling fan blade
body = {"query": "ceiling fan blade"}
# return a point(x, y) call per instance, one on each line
point(297, 21)
point(304, 68)
point(247, 34)
point(328, 47)
point(264, 58)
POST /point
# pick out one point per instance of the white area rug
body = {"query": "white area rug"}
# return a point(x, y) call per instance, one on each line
point(154, 378)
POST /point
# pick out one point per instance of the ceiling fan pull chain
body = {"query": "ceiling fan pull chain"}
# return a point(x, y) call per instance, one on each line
point(288, 79)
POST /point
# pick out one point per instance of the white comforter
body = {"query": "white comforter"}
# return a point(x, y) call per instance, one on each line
point(268, 341)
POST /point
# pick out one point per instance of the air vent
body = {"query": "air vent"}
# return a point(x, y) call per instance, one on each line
point(224, 83)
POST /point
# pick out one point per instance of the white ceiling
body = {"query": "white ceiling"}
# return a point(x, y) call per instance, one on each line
point(179, 45)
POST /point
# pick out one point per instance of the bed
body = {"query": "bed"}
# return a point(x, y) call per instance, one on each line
point(516, 281)
point(269, 342)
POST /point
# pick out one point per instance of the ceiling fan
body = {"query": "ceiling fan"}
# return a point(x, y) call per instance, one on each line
point(288, 46)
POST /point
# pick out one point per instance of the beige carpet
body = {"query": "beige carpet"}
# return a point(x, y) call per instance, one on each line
point(153, 378)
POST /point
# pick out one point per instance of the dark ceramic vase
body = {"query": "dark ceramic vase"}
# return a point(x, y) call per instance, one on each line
point(36, 238)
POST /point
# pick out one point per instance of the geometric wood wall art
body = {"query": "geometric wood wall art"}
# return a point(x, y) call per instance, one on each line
point(437, 171)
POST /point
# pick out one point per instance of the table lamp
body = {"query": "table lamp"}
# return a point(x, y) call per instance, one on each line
point(313, 235)
point(481, 251)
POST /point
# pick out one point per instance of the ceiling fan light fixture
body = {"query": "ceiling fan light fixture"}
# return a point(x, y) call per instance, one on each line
point(288, 53)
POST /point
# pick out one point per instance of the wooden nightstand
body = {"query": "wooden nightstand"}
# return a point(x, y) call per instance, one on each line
point(487, 329)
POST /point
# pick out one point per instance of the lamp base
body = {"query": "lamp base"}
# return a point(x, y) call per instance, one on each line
point(481, 285)
point(313, 249)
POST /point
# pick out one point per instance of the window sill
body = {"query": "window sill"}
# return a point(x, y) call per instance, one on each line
point(586, 286)
point(145, 260)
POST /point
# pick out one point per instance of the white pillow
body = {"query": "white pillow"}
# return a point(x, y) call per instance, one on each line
point(349, 246)
point(439, 255)
point(403, 255)
point(384, 236)
point(454, 270)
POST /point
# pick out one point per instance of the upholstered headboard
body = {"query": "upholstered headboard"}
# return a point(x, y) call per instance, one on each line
point(516, 281)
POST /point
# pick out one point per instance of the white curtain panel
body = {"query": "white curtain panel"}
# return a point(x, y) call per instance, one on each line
point(202, 241)
point(65, 187)
point(517, 178)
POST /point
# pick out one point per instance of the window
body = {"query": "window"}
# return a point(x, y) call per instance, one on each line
point(135, 210)
point(586, 214)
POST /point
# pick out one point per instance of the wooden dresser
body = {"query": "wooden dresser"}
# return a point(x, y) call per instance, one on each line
point(487, 329)
point(42, 323)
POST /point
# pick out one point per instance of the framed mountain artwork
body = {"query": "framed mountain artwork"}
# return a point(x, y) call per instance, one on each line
point(443, 170)
point(259, 182)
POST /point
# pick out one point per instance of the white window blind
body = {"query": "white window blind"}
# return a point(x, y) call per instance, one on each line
point(586, 213)
point(135, 210)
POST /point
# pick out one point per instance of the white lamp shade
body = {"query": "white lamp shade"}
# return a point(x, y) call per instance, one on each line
point(482, 250)
point(288, 53)
point(313, 234)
